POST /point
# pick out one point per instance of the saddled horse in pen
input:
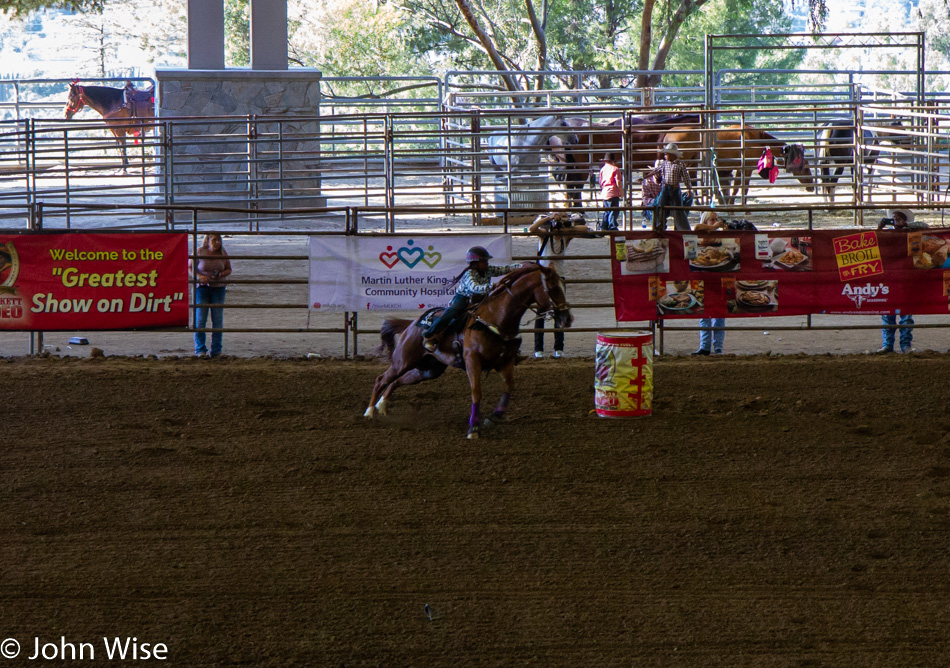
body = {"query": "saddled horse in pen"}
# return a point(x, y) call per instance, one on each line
point(835, 150)
point(575, 164)
point(488, 341)
point(122, 109)
point(737, 151)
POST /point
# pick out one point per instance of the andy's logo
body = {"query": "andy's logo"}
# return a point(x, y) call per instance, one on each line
point(860, 294)
point(410, 255)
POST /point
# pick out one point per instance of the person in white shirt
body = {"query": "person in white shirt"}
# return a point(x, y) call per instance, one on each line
point(555, 232)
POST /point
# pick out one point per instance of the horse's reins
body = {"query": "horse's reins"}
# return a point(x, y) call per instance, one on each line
point(506, 287)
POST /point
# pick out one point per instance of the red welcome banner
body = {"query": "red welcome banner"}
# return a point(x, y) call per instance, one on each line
point(745, 274)
point(93, 281)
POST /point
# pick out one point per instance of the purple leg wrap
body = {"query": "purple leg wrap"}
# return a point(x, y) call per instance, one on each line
point(475, 418)
point(502, 404)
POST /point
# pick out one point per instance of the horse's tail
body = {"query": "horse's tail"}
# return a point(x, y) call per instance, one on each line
point(392, 327)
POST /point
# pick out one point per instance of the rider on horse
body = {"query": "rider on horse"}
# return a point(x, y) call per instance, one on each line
point(473, 284)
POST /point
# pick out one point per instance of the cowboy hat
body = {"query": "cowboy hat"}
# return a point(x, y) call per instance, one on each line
point(907, 213)
point(673, 149)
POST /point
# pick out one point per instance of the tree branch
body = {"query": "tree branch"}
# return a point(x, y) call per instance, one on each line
point(646, 39)
point(686, 8)
point(538, 29)
point(487, 45)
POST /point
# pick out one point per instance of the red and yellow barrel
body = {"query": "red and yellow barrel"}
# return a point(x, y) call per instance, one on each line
point(623, 374)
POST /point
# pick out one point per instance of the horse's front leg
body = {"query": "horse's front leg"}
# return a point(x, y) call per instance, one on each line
point(507, 383)
point(746, 182)
point(473, 367)
point(120, 143)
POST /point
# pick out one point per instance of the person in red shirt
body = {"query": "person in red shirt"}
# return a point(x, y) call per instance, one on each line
point(611, 189)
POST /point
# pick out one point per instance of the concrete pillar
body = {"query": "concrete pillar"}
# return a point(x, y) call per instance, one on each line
point(268, 34)
point(206, 34)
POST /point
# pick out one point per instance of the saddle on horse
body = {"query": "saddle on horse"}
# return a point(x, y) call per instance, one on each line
point(140, 103)
point(452, 331)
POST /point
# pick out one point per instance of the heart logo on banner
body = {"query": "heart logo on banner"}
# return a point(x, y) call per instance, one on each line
point(389, 259)
point(432, 259)
point(411, 256)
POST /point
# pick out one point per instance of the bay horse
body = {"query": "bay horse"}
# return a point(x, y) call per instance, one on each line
point(737, 151)
point(574, 165)
point(489, 341)
point(835, 151)
point(119, 107)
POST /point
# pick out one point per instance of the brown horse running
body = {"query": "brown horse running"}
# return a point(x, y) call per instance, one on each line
point(488, 341)
point(737, 154)
point(573, 165)
point(119, 107)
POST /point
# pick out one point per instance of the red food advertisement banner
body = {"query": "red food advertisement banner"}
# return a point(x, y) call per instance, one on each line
point(746, 274)
point(93, 281)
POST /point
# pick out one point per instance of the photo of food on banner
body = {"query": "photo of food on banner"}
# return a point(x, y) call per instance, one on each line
point(711, 253)
point(928, 251)
point(781, 253)
point(642, 256)
point(680, 297)
point(747, 296)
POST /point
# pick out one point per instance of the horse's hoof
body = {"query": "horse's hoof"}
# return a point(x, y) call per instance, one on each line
point(370, 413)
point(472, 433)
point(492, 421)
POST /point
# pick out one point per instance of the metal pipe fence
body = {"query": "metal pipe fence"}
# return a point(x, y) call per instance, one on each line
point(268, 295)
point(487, 160)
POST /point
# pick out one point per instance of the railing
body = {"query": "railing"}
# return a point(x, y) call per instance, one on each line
point(449, 159)
point(267, 304)
point(46, 98)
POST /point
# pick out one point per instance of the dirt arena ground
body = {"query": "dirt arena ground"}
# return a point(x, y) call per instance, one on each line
point(774, 511)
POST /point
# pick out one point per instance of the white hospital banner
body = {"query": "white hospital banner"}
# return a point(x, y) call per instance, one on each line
point(374, 273)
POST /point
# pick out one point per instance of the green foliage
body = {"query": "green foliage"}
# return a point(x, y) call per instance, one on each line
point(237, 33)
point(23, 7)
point(365, 40)
point(731, 17)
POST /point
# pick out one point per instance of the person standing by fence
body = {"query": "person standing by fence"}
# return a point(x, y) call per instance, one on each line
point(611, 190)
point(555, 232)
point(213, 267)
point(672, 173)
point(710, 340)
point(903, 221)
point(650, 190)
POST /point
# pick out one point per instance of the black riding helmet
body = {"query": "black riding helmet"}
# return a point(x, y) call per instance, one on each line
point(476, 253)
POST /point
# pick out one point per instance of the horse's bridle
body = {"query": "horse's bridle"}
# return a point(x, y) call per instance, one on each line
point(80, 103)
point(555, 307)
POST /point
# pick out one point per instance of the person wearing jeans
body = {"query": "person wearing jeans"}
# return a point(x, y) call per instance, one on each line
point(888, 334)
point(709, 339)
point(212, 268)
point(555, 232)
point(611, 190)
point(672, 174)
point(901, 220)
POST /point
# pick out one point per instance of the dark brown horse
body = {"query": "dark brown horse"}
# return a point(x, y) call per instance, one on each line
point(489, 341)
point(573, 165)
point(737, 152)
point(120, 108)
